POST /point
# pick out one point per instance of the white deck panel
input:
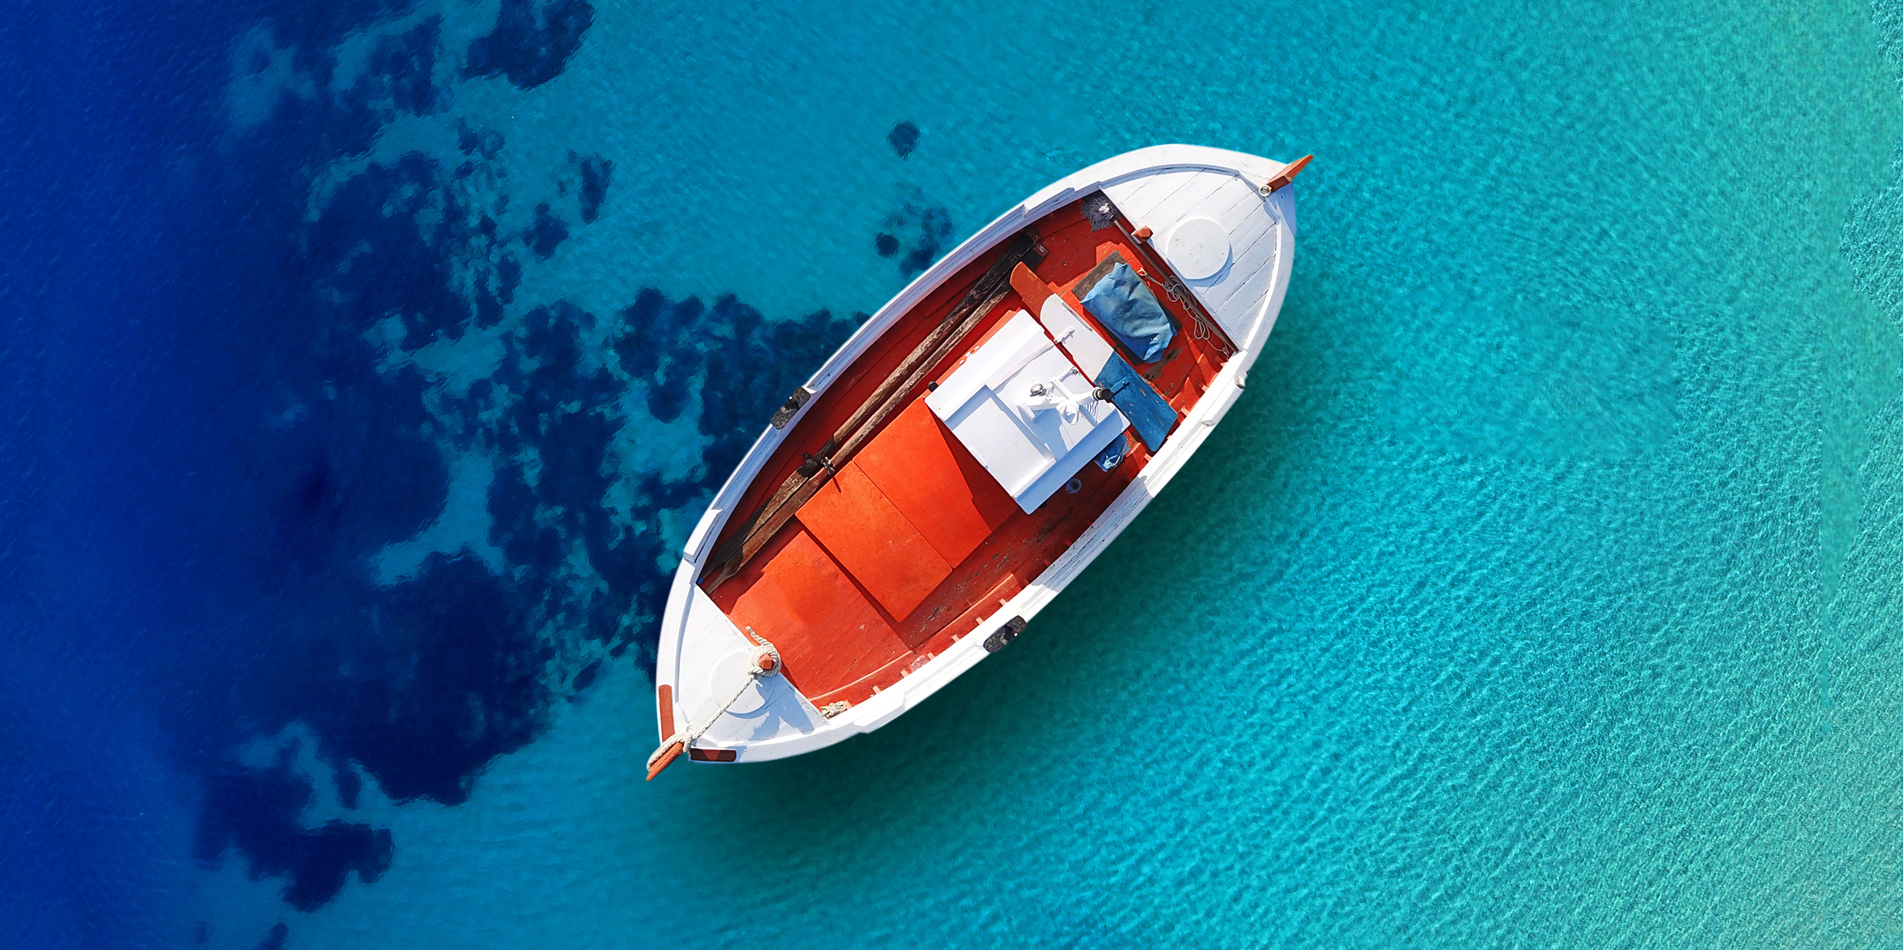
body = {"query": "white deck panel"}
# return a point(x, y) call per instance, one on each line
point(1139, 196)
point(1165, 193)
point(1163, 200)
point(1242, 296)
point(1248, 203)
point(1089, 350)
point(1025, 412)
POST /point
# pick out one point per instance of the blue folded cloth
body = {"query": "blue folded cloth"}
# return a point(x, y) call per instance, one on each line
point(1128, 309)
point(1138, 400)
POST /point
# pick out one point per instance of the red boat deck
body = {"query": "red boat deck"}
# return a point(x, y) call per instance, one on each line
point(912, 542)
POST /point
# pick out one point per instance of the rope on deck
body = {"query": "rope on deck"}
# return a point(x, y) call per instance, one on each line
point(766, 662)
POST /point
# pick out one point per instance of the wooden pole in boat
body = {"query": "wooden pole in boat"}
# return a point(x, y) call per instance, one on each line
point(887, 399)
point(981, 292)
point(810, 477)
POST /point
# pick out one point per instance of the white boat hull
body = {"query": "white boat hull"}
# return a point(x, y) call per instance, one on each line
point(702, 658)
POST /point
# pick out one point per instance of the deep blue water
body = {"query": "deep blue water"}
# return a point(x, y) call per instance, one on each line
point(364, 363)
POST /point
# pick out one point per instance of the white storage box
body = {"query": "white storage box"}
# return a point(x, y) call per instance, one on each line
point(1025, 412)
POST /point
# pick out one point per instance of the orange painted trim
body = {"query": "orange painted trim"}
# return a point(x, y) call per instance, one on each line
point(1030, 287)
point(665, 693)
point(667, 757)
point(712, 755)
point(1287, 177)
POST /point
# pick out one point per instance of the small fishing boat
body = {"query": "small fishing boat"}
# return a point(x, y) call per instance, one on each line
point(970, 450)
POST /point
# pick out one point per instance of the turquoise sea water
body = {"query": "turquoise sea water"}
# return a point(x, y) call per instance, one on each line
point(1543, 590)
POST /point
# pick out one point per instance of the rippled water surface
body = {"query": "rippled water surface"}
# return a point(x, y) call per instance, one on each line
point(365, 364)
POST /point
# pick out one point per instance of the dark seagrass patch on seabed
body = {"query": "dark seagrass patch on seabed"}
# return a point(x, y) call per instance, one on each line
point(903, 139)
point(419, 680)
point(256, 811)
point(531, 44)
point(921, 229)
point(596, 173)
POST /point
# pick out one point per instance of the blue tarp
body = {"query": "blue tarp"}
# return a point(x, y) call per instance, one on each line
point(1138, 400)
point(1128, 309)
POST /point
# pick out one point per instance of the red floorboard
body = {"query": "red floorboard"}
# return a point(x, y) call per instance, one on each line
point(936, 483)
point(875, 544)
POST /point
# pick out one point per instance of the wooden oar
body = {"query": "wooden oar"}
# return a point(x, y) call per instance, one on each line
point(885, 401)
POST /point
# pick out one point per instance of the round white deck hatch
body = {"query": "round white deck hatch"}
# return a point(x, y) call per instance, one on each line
point(1198, 248)
point(729, 673)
